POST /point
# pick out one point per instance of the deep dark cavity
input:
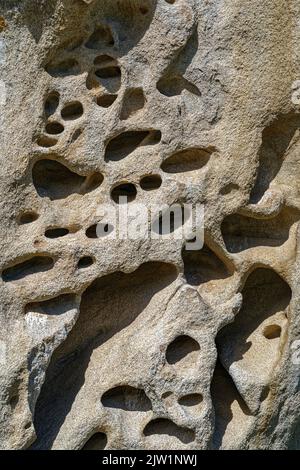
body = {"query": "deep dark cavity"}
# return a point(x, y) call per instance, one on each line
point(124, 144)
point(125, 190)
point(51, 103)
point(97, 442)
point(72, 111)
point(56, 232)
point(151, 182)
point(85, 262)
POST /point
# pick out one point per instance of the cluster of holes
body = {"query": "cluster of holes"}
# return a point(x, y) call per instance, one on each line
point(69, 112)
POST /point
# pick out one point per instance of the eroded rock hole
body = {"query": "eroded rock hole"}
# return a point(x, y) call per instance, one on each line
point(105, 101)
point(186, 160)
point(272, 331)
point(54, 180)
point(97, 442)
point(28, 217)
point(53, 307)
point(124, 144)
point(150, 182)
point(182, 349)
point(191, 401)
point(54, 128)
point(72, 111)
point(34, 265)
point(99, 230)
point(51, 104)
point(56, 232)
point(126, 398)
point(125, 190)
point(162, 426)
point(133, 102)
point(46, 142)
point(85, 262)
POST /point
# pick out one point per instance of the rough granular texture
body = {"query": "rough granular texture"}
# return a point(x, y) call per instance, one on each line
point(144, 344)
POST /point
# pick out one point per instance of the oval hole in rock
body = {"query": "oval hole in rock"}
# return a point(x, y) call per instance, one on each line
point(126, 398)
point(46, 142)
point(272, 331)
point(151, 182)
point(51, 103)
point(97, 442)
point(56, 232)
point(162, 426)
point(54, 128)
point(186, 160)
point(28, 217)
point(99, 230)
point(127, 190)
point(72, 111)
point(182, 348)
point(85, 262)
point(34, 265)
point(105, 101)
point(192, 400)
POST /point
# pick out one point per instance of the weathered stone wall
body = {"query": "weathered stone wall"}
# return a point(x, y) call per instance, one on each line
point(143, 344)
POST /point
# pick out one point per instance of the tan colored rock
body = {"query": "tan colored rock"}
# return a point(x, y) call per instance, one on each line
point(119, 343)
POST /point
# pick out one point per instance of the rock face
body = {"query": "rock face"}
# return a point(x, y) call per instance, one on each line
point(120, 343)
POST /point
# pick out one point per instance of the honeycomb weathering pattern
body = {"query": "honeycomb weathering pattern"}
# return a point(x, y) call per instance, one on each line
point(130, 344)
